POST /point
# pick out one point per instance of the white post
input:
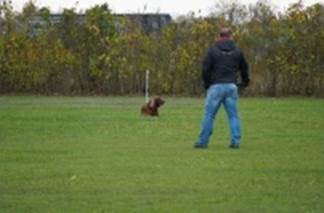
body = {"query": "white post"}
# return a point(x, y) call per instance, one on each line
point(147, 78)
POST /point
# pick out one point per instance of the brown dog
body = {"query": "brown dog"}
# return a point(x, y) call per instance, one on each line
point(151, 108)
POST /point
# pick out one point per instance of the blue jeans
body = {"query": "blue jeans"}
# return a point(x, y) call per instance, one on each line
point(217, 94)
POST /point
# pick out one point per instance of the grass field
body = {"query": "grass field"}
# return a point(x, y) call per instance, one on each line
point(97, 154)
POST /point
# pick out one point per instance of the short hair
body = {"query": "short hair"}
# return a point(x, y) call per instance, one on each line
point(225, 32)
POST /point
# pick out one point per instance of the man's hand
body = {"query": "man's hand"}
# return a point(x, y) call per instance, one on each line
point(243, 84)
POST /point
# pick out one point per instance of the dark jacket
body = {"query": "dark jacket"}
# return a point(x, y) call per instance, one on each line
point(222, 62)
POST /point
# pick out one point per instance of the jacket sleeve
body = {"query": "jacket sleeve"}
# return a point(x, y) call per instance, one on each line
point(207, 66)
point(244, 70)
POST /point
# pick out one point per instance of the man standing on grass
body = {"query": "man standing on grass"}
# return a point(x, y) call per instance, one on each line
point(219, 72)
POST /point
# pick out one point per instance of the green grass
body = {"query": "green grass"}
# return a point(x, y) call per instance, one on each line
point(97, 154)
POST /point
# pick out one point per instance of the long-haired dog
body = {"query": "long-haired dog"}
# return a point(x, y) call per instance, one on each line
point(151, 108)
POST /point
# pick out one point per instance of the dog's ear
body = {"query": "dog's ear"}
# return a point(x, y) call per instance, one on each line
point(158, 101)
point(151, 103)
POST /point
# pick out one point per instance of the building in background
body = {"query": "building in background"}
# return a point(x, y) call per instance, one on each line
point(147, 22)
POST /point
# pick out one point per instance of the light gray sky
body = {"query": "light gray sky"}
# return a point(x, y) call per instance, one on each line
point(174, 7)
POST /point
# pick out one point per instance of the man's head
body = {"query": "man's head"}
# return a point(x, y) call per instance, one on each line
point(225, 32)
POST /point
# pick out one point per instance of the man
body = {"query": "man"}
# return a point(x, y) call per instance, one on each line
point(220, 67)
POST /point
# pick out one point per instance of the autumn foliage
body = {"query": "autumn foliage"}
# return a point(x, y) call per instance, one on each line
point(285, 51)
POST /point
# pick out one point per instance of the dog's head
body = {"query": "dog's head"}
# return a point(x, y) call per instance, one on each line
point(157, 102)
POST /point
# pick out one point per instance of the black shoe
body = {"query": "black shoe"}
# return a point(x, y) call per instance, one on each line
point(200, 146)
point(234, 146)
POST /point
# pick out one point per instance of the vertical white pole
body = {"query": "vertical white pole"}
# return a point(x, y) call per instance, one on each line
point(147, 78)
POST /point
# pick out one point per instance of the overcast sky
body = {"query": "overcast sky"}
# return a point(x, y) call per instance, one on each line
point(174, 7)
